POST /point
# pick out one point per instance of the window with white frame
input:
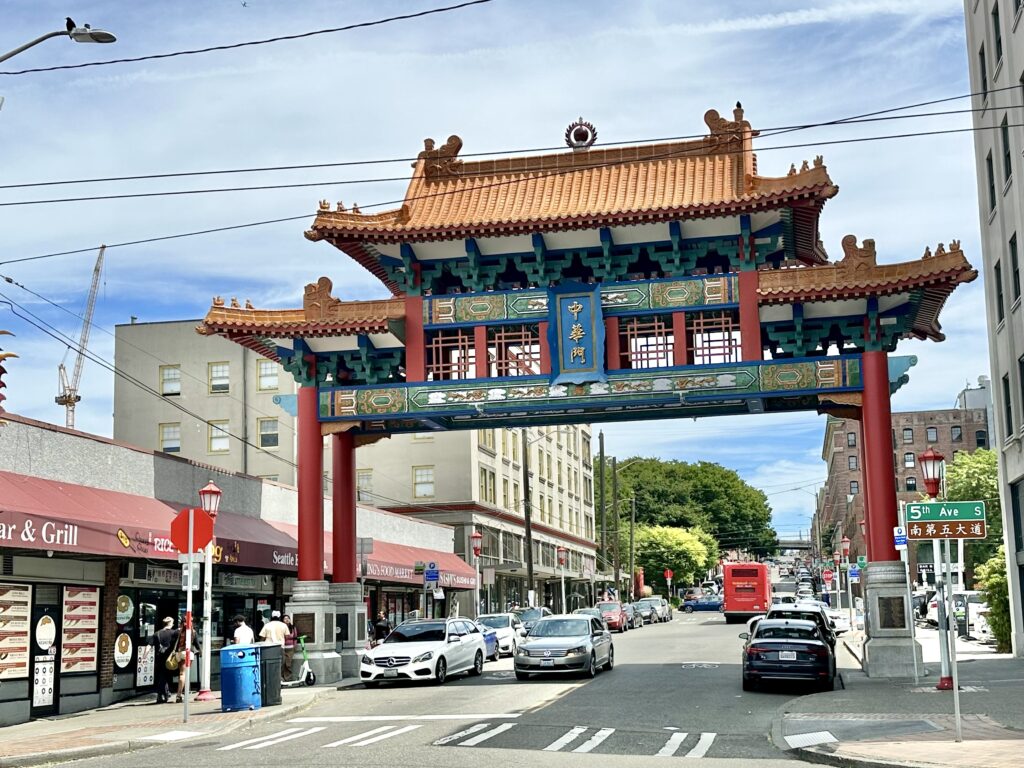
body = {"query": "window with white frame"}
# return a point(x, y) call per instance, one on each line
point(266, 375)
point(269, 436)
point(364, 485)
point(908, 435)
point(423, 482)
point(218, 439)
point(170, 380)
point(911, 483)
point(219, 378)
point(170, 437)
point(932, 434)
point(909, 460)
point(851, 462)
point(854, 487)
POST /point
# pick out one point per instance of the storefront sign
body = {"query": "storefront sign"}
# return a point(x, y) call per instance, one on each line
point(170, 577)
point(123, 650)
point(46, 632)
point(576, 333)
point(42, 682)
point(15, 612)
point(80, 629)
point(144, 666)
point(248, 582)
point(125, 609)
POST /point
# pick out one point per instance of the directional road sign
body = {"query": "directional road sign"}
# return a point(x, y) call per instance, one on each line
point(862, 561)
point(899, 535)
point(431, 575)
point(945, 511)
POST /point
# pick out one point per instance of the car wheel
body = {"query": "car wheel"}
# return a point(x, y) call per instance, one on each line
point(478, 664)
point(721, 608)
point(749, 684)
point(440, 671)
point(512, 652)
point(497, 653)
point(688, 609)
point(828, 685)
point(622, 628)
point(611, 659)
point(522, 675)
point(370, 683)
point(591, 670)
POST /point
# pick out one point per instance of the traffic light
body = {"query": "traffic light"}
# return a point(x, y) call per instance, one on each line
point(4, 356)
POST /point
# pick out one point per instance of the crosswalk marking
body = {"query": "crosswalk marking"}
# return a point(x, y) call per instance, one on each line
point(258, 739)
point(565, 739)
point(359, 736)
point(703, 745)
point(595, 740)
point(289, 737)
point(383, 736)
point(674, 742)
point(472, 742)
point(456, 736)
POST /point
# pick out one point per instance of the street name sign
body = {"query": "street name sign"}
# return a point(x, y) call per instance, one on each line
point(945, 511)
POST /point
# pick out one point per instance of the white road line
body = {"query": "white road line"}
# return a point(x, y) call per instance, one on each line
point(672, 745)
point(456, 736)
point(375, 739)
point(172, 736)
point(486, 735)
point(289, 737)
point(565, 739)
point(595, 740)
point(703, 745)
point(261, 738)
point(359, 736)
point(394, 718)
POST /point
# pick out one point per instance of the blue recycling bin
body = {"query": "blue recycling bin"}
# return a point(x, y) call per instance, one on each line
point(240, 685)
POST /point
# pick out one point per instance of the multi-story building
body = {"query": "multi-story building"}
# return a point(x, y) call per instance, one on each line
point(840, 507)
point(995, 40)
point(222, 404)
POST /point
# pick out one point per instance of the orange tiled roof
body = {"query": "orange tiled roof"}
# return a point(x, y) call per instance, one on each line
point(450, 198)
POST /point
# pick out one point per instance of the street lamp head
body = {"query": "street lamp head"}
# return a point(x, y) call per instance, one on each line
point(863, 527)
point(209, 497)
point(87, 34)
point(931, 465)
point(845, 541)
point(476, 537)
point(560, 551)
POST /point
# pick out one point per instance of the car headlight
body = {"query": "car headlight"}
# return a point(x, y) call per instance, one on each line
point(423, 657)
point(521, 651)
point(579, 650)
point(367, 660)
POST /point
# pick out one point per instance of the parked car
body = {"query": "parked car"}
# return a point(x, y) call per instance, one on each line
point(692, 593)
point(787, 649)
point(668, 606)
point(705, 603)
point(490, 640)
point(659, 605)
point(589, 612)
point(967, 606)
point(425, 649)
point(530, 616)
point(508, 627)
point(647, 610)
point(614, 615)
point(798, 612)
point(839, 617)
point(565, 643)
point(633, 616)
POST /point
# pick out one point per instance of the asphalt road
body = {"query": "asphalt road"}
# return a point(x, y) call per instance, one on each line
point(675, 691)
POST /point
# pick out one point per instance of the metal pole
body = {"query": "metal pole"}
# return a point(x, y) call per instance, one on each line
point(945, 677)
point(905, 557)
point(632, 552)
point(600, 491)
point(476, 590)
point(188, 610)
point(37, 41)
point(849, 596)
point(527, 521)
point(206, 662)
point(952, 644)
point(565, 608)
point(615, 541)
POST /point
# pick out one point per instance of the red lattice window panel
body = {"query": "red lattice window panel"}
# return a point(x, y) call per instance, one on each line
point(450, 355)
point(714, 337)
point(646, 342)
point(514, 350)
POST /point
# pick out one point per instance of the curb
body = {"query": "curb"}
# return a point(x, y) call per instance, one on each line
point(822, 756)
point(132, 745)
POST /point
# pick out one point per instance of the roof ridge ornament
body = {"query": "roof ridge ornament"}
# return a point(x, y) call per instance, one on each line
point(580, 135)
point(441, 162)
point(857, 259)
point(726, 134)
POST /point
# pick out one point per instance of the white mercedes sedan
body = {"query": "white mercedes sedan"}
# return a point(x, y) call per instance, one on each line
point(426, 649)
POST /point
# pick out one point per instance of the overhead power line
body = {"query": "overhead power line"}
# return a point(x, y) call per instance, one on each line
point(250, 43)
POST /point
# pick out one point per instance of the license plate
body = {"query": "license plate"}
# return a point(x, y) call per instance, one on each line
point(547, 662)
point(787, 655)
point(390, 673)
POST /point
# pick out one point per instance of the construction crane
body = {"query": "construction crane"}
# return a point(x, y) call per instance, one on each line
point(69, 396)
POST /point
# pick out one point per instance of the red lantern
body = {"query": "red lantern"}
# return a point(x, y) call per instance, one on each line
point(560, 551)
point(931, 465)
point(476, 538)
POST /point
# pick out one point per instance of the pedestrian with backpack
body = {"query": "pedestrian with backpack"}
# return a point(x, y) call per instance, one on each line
point(164, 642)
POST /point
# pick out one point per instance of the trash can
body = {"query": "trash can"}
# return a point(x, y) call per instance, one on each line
point(271, 657)
point(240, 678)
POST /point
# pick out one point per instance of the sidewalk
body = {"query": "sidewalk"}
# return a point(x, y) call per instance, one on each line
point(135, 724)
point(873, 722)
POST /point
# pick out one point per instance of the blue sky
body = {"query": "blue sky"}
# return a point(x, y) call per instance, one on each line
point(502, 75)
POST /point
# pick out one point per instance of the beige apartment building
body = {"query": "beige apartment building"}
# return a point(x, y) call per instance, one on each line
point(995, 57)
point(216, 402)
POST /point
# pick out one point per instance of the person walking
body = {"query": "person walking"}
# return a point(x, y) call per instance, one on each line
point(289, 649)
point(381, 628)
point(243, 634)
point(164, 642)
point(179, 649)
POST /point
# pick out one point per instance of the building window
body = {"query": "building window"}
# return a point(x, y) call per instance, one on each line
point(997, 278)
point(559, 482)
point(854, 487)
point(991, 177)
point(1004, 132)
point(908, 459)
point(646, 342)
point(983, 72)
point(217, 438)
point(515, 497)
point(423, 482)
point(486, 481)
point(587, 458)
point(170, 380)
point(514, 350)
point(219, 378)
point(911, 483)
point(266, 375)
point(1017, 514)
point(932, 434)
point(515, 447)
point(1014, 268)
point(1007, 405)
point(551, 475)
point(170, 437)
point(268, 433)
point(450, 355)
point(540, 462)
point(851, 462)
point(908, 435)
point(714, 337)
point(504, 492)
point(486, 439)
point(364, 485)
point(504, 442)
point(956, 434)
point(851, 439)
point(981, 439)
point(997, 32)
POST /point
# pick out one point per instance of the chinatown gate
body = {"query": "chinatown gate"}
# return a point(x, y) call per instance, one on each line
point(628, 283)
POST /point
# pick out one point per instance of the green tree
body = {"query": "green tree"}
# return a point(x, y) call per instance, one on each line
point(688, 552)
point(994, 582)
point(975, 477)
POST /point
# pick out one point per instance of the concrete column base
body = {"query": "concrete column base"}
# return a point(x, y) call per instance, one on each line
point(351, 625)
point(890, 650)
point(313, 612)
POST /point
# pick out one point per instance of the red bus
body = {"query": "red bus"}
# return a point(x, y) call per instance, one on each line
point(746, 591)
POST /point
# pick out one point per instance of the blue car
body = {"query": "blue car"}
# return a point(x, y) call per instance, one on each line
point(490, 640)
point(704, 603)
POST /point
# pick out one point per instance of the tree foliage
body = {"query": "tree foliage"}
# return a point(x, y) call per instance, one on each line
point(975, 477)
point(688, 552)
point(994, 582)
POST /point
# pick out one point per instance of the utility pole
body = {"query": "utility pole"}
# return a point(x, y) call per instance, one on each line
point(527, 522)
point(600, 492)
point(615, 511)
point(632, 549)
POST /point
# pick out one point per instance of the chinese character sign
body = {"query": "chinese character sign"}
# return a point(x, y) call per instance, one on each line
point(576, 334)
point(952, 529)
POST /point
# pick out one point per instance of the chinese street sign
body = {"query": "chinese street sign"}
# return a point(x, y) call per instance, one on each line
point(576, 333)
point(949, 530)
point(945, 511)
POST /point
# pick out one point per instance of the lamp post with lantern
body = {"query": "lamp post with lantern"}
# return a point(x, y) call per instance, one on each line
point(209, 498)
point(561, 552)
point(476, 540)
point(845, 542)
point(931, 462)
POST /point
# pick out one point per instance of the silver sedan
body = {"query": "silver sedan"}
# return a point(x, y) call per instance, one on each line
point(565, 643)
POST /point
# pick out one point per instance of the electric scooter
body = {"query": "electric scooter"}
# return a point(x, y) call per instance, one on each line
point(306, 675)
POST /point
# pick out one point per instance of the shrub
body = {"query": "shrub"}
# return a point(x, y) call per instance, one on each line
point(994, 583)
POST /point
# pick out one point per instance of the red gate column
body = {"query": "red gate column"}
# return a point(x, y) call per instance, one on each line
point(866, 478)
point(878, 470)
point(343, 465)
point(310, 486)
point(750, 320)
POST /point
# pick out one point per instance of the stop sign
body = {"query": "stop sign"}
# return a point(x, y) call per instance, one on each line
point(202, 529)
point(668, 574)
point(827, 576)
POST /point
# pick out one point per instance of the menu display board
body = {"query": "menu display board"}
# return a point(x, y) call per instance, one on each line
point(145, 666)
point(15, 614)
point(42, 682)
point(80, 629)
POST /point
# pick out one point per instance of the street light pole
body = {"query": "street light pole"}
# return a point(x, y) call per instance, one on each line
point(476, 538)
point(601, 504)
point(560, 551)
point(209, 498)
point(527, 522)
point(632, 549)
point(84, 34)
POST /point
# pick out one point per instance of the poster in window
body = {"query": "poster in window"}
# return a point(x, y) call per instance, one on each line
point(80, 629)
point(145, 666)
point(15, 609)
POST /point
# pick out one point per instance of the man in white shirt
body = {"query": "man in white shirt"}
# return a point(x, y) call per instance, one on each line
point(275, 630)
point(243, 632)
